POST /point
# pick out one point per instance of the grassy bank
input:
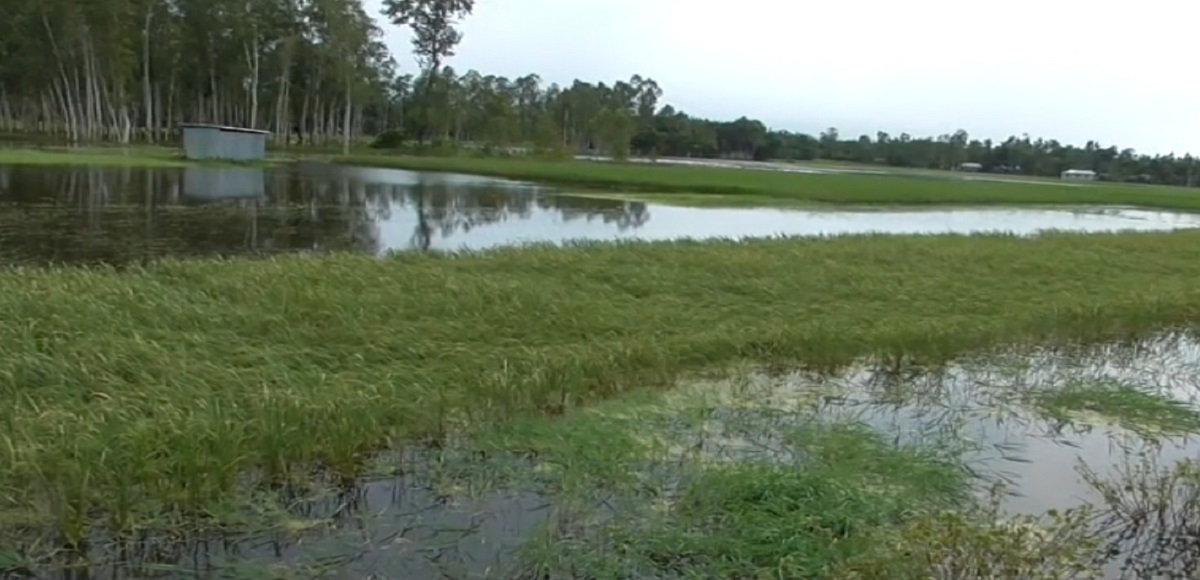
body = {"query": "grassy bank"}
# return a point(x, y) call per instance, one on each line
point(108, 157)
point(794, 187)
point(135, 156)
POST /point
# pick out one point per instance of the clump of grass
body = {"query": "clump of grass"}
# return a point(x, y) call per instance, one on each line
point(847, 505)
point(1139, 409)
point(163, 389)
point(982, 543)
point(820, 188)
point(723, 482)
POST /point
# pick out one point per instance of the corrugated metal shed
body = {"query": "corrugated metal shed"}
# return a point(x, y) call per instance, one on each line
point(202, 141)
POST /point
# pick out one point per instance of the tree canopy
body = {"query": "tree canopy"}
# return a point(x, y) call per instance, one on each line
point(315, 72)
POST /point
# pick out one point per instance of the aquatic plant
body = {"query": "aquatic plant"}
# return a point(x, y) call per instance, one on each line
point(1142, 409)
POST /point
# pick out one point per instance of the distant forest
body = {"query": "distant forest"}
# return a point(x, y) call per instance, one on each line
point(316, 72)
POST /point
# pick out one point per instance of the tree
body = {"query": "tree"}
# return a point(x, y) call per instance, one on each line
point(434, 36)
point(125, 70)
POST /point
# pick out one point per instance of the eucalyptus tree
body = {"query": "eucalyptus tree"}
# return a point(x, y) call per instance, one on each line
point(434, 34)
point(125, 70)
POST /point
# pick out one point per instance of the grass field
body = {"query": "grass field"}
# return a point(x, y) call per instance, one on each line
point(774, 187)
point(693, 186)
point(128, 396)
point(141, 157)
point(138, 156)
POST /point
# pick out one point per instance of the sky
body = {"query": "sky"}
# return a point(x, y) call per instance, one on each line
point(1117, 72)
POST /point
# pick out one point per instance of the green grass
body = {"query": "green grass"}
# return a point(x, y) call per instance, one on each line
point(100, 157)
point(135, 156)
point(127, 395)
point(1136, 408)
point(789, 521)
point(713, 200)
point(908, 189)
point(715, 480)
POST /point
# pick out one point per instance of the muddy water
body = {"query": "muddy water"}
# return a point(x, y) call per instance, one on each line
point(116, 215)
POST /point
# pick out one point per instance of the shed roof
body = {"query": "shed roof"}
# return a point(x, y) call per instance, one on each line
point(222, 128)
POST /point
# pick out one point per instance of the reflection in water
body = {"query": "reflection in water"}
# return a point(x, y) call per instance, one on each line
point(120, 215)
point(117, 215)
point(1152, 516)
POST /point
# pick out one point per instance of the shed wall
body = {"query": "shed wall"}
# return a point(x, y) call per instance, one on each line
point(202, 142)
point(243, 145)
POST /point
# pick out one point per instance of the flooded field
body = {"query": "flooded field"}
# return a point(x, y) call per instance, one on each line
point(1095, 447)
point(509, 415)
point(115, 215)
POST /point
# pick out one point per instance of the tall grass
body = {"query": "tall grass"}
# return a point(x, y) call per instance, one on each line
point(817, 188)
point(126, 395)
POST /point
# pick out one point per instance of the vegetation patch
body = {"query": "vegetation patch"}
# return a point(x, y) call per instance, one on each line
point(1132, 407)
point(144, 156)
point(158, 393)
point(105, 157)
point(818, 499)
point(800, 187)
point(704, 200)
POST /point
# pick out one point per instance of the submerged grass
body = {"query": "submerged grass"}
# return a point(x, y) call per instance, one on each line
point(718, 483)
point(797, 187)
point(127, 396)
point(1132, 407)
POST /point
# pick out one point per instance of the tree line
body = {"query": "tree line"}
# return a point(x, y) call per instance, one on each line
point(317, 72)
point(627, 117)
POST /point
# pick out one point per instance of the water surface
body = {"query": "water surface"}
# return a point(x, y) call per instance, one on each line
point(115, 215)
point(1143, 482)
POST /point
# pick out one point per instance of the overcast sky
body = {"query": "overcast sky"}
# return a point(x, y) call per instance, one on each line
point(1119, 72)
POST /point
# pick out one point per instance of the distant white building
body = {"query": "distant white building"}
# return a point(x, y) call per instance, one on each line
point(1079, 174)
point(970, 167)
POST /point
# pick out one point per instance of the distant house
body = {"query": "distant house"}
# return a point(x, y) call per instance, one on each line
point(973, 167)
point(1079, 174)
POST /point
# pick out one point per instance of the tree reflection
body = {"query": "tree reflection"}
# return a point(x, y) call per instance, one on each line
point(119, 215)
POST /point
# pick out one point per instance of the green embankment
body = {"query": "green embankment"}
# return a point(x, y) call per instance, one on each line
point(763, 187)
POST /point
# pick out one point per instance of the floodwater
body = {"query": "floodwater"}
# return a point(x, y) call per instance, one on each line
point(115, 215)
point(1142, 481)
point(453, 514)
